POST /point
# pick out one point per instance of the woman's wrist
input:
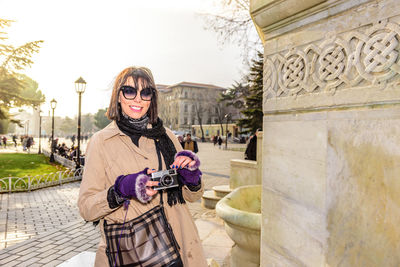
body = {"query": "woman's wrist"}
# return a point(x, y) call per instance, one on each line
point(194, 188)
point(114, 199)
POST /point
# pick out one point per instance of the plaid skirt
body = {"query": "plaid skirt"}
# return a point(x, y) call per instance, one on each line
point(144, 241)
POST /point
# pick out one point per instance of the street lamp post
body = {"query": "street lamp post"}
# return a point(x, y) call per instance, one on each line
point(40, 132)
point(80, 86)
point(226, 130)
point(53, 104)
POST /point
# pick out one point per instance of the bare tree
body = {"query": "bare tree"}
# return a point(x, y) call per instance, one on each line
point(219, 108)
point(233, 24)
point(200, 109)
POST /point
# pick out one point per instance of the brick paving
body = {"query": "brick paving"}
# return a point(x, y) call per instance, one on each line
point(44, 228)
point(25, 215)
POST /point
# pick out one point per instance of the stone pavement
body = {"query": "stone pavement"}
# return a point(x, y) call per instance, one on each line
point(43, 227)
point(25, 215)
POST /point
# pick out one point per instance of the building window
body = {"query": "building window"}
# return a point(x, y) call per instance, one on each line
point(186, 107)
point(176, 120)
point(185, 120)
point(186, 94)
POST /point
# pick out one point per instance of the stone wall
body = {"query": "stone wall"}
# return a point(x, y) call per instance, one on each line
point(331, 146)
point(247, 172)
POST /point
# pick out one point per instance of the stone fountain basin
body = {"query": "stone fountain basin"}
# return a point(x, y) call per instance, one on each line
point(241, 211)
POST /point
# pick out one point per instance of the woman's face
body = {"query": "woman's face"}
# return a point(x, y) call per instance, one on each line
point(135, 108)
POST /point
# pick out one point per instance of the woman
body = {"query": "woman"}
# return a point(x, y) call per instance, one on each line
point(120, 158)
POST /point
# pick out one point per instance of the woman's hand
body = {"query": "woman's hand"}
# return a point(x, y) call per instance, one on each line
point(136, 185)
point(182, 161)
point(149, 185)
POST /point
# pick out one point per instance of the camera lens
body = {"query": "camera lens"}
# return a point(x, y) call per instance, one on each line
point(166, 180)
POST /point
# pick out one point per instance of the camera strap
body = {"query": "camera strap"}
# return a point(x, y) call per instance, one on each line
point(156, 142)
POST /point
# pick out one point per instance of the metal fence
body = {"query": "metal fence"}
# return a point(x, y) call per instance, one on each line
point(28, 183)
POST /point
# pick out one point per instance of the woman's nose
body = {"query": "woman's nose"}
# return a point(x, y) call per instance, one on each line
point(137, 98)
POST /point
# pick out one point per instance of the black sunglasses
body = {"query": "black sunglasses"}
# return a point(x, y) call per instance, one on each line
point(130, 92)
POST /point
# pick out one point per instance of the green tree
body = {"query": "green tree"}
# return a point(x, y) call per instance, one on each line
point(12, 128)
point(13, 85)
point(253, 102)
point(100, 119)
point(235, 95)
point(4, 126)
point(68, 126)
point(88, 123)
point(31, 90)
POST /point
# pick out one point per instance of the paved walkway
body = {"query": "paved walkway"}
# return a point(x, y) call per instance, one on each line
point(43, 227)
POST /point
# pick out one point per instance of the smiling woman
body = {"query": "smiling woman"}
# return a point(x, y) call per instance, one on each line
point(122, 190)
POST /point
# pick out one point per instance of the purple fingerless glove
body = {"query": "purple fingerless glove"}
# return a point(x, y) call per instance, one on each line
point(133, 186)
point(190, 175)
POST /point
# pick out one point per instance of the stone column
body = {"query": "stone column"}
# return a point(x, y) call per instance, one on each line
point(331, 134)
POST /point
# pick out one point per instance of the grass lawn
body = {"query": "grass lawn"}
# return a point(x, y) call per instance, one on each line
point(21, 164)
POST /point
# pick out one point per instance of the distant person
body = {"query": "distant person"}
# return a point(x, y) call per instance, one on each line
point(73, 152)
point(24, 142)
point(251, 150)
point(73, 140)
point(15, 140)
point(219, 141)
point(215, 140)
point(62, 150)
point(190, 144)
point(29, 143)
point(54, 145)
point(5, 141)
point(181, 141)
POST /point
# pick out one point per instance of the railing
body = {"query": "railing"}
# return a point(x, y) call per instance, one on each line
point(63, 161)
point(28, 183)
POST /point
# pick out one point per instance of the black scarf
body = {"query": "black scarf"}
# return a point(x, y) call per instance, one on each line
point(163, 143)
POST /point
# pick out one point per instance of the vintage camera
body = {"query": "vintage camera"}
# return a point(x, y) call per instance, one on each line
point(167, 179)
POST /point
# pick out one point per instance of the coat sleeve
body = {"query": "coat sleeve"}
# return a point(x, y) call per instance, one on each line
point(192, 196)
point(92, 201)
point(188, 195)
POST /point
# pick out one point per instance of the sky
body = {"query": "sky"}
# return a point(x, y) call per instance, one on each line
point(98, 39)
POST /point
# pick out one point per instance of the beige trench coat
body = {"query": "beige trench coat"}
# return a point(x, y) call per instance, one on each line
point(111, 153)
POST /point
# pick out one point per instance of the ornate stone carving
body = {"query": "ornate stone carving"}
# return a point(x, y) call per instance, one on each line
point(348, 60)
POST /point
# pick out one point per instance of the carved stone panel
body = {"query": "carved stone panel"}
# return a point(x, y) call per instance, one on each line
point(356, 62)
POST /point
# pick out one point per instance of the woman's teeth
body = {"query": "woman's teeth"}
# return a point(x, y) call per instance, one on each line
point(135, 108)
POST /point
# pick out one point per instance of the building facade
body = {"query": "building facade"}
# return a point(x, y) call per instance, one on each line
point(185, 104)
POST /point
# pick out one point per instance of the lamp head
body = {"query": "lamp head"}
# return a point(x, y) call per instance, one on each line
point(80, 85)
point(53, 103)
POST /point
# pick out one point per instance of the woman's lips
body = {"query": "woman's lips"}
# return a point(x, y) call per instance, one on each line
point(135, 108)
